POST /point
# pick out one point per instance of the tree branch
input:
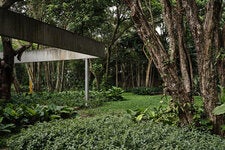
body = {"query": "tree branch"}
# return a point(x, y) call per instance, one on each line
point(169, 20)
point(20, 51)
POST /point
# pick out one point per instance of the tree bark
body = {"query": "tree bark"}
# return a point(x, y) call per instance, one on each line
point(62, 76)
point(57, 76)
point(148, 73)
point(47, 76)
point(161, 59)
point(16, 82)
point(7, 65)
point(203, 35)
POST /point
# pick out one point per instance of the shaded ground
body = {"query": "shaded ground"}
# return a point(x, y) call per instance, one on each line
point(131, 101)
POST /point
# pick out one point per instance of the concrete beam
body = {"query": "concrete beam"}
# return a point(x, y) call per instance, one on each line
point(21, 27)
point(50, 54)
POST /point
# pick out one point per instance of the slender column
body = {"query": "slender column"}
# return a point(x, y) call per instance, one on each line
point(86, 81)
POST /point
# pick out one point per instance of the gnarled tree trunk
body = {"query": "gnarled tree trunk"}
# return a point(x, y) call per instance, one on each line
point(7, 65)
point(163, 61)
point(204, 34)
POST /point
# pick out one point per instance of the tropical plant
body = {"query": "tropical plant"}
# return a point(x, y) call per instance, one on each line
point(5, 128)
point(114, 94)
point(219, 110)
point(162, 114)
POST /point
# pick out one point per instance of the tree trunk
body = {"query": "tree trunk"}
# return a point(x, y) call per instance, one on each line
point(138, 75)
point(123, 75)
point(62, 76)
point(31, 78)
point(221, 64)
point(16, 82)
point(38, 76)
point(132, 75)
point(148, 70)
point(162, 61)
point(57, 76)
point(205, 45)
point(7, 65)
point(117, 73)
point(47, 76)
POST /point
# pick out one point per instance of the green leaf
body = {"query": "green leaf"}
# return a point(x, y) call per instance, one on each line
point(1, 119)
point(139, 117)
point(219, 110)
point(31, 112)
point(52, 117)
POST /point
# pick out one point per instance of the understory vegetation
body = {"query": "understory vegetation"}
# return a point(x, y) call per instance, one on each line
point(133, 122)
point(112, 132)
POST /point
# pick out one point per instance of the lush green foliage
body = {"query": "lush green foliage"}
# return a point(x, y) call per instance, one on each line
point(12, 115)
point(220, 109)
point(68, 98)
point(166, 115)
point(147, 90)
point(28, 109)
point(111, 133)
point(166, 112)
point(114, 94)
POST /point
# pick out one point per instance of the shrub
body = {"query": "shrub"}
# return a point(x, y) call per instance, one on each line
point(67, 98)
point(114, 94)
point(111, 132)
point(147, 90)
point(15, 116)
point(164, 113)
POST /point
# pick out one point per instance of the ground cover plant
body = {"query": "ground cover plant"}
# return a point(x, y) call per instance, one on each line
point(131, 101)
point(13, 117)
point(27, 109)
point(95, 119)
point(112, 132)
point(69, 98)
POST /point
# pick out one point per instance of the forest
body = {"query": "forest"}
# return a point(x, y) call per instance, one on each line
point(163, 69)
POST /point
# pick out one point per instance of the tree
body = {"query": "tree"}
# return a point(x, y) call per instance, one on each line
point(173, 63)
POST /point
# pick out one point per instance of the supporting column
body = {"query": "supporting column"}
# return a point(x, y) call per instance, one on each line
point(86, 81)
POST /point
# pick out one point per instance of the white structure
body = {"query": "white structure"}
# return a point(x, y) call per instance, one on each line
point(54, 54)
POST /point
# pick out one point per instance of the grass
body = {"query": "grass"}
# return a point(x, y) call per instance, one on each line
point(131, 101)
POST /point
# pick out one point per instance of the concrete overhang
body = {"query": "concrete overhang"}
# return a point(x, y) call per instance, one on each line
point(49, 54)
point(24, 28)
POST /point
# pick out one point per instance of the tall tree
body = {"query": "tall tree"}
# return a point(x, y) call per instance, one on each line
point(176, 70)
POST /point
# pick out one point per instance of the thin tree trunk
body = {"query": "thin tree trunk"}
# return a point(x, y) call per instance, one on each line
point(138, 75)
point(123, 75)
point(117, 70)
point(30, 75)
point(16, 82)
point(147, 76)
point(62, 76)
point(57, 76)
point(38, 76)
point(46, 66)
point(132, 75)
